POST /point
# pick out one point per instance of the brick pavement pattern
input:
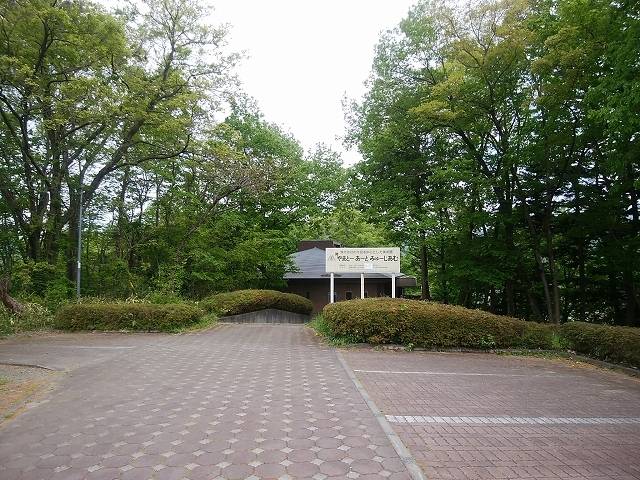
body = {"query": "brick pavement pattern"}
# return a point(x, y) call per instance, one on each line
point(235, 402)
point(483, 416)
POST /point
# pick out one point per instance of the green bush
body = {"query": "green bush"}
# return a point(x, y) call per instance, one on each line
point(34, 317)
point(321, 326)
point(127, 316)
point(245, 301)
point(429, 325)
point(41, 283)
point(604, 342)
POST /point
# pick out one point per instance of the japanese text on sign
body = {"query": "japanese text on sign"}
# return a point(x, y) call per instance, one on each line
point(363, 260)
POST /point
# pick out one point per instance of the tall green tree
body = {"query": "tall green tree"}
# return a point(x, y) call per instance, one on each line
point(495, 112)
point(85, 94)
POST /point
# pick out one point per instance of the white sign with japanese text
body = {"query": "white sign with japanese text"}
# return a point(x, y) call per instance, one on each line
point(363, 260)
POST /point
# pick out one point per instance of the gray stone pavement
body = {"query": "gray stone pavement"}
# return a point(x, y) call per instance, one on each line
point(235, 402)
point(476, 416)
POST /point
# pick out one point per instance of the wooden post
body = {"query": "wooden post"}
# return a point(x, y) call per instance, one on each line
point(362, 285)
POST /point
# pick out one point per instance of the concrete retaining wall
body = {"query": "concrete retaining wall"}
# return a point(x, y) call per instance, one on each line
point(270, 315)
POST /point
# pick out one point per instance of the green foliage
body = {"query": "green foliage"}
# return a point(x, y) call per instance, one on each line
point(127, 316)
point(233, 254)
point(35, 317)
point(245, 301)
point(43, 282)
point(178, 201)
point(477, 134)
point(431, 325)
point(604, 342)
point(322, 328)
point(206, 321)
point(499, 142)
point(434, 325)
point(162, 298)
point(347, 226)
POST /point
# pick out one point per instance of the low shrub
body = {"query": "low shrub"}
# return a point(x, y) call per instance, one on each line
point(432, 325)
point(604, 342)
point(321, 326)
point(127, 316)
point(34, 317)
point(245, 301)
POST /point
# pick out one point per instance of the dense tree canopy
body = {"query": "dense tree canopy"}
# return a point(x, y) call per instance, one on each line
point(124, 108)
point(500, 148)
point(501, 143)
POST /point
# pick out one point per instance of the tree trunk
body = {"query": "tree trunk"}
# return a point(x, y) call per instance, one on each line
point(54, 225)
point(582, 281)
point(505, 211)
point(632, 307)
point(424, 268)
point(9, 302)
point(32, 240)
point(443, 262)
point(632, 317)
point(72, 245)
point(123, 219)
point(509, 284)
point(614, 295)
point(536, 314)
point(553, 271)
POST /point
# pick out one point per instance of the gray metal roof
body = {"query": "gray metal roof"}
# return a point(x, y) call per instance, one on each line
point(311, 265)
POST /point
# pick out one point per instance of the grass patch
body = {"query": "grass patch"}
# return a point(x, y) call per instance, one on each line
point(34, 318)
point(547, 354)
point(17, 385)
point(207, 321)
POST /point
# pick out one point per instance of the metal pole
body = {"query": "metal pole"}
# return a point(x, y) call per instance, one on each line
point(79, 267)
point(331, 290)
point(362, 285)
point(393, 285)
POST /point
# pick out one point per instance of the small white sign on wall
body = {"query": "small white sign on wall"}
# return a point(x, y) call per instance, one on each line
point(363, 260)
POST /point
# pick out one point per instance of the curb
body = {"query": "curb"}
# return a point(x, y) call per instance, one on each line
point(409, 462)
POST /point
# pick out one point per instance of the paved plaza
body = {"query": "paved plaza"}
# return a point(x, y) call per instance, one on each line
point(273, 402)
point(476, 416)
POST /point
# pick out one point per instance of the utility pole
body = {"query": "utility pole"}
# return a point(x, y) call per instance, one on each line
point(79, 266)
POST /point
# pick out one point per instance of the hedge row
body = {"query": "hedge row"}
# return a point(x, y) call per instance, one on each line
point(434, 325)
point(605, 342)
point(127, 316)
point(245, 301)
point(428, 325)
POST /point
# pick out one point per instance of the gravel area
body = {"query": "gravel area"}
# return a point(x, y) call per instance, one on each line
point(17, 374)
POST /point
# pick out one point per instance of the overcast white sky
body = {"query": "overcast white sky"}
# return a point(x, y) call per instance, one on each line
point(304, 56)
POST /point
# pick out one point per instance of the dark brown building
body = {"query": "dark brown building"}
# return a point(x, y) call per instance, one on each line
point(311, 279)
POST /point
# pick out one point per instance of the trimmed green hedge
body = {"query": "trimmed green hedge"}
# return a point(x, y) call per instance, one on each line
point(434, 325)
point(245, 301)
point(428, 325)
point(604, 342)
point(127, 316)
